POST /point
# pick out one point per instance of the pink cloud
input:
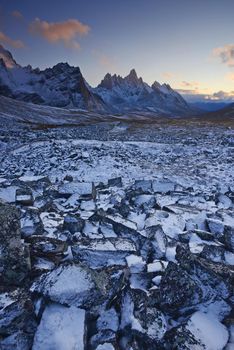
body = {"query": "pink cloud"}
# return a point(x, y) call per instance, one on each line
point(17, 14)
point(226, 54)
point(65, 32)
point(18, 44)
point(104, 60)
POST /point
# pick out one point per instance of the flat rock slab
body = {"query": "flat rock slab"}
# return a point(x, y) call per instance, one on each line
point(71, 285)
point(61, 328)
point(86, 189)
point(98, 253)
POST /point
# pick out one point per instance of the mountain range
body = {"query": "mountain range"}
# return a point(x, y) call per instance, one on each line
point(64, 86)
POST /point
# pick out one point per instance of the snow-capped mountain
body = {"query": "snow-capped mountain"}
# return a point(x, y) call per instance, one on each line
point(60, 86)
point(131, 93)
point(65, 86)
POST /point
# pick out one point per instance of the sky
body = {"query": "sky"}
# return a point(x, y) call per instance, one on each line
point(186, 43)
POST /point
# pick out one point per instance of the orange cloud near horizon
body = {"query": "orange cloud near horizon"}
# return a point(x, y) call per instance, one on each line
point(60, 31)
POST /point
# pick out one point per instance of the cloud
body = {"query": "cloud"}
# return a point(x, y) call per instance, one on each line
point(17, 14)
point(65, 32)
point(230, 76)
point(17, 44)
point(223, 95)
point(191, 85)
point(168, 75)
point(104, 60)
point(226, 54)
point(195, 95)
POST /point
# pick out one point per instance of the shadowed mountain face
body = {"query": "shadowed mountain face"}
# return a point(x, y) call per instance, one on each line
point(65, 86)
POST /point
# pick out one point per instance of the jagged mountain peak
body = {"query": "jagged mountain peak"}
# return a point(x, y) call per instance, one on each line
point(132, 76)
point(63, 85)
point(7, 58)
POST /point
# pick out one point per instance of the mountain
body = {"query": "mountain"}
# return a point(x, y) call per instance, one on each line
point(132, 93)
point(64, 86)
point(209, 106)
point(222, 114)
point(60, 86)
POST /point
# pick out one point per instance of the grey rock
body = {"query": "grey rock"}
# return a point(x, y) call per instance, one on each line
point(98, 253)
point(14, 258)
point(24, 196)
point(73, 223)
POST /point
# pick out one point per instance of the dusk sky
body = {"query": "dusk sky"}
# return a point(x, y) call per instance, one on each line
point(186, 43)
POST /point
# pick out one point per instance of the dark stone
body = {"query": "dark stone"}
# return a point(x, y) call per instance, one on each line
point(73, 224)
point(116, 182)
point(14, 258)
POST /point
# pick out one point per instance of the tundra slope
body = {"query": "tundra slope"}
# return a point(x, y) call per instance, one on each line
point(124, 230)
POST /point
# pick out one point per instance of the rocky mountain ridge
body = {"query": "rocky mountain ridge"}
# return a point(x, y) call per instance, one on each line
point(64, 86)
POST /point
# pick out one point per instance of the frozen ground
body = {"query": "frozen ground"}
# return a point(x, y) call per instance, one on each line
point(125, 229)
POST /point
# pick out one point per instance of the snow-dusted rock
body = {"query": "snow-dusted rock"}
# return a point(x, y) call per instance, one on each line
point(61, 328)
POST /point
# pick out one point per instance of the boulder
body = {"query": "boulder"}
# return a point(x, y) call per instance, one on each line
point(14, 258)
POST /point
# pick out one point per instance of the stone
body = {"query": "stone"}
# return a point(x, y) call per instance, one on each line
point(17, 320)
point(115, 182)
point(215, 226)
point(24, 196)
point(14, 259)
point(61, 328)
point(163, 186)
point(73, 223)
point(84, 189)
point(229, 238)
point(77, 285)
point(144, 186)
point(98, 253)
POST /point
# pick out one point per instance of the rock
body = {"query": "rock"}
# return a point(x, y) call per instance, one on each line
point(68, 178)
point(194, 334)
point(31, 223)
point(61, 328)
point(159, 241)
point(178, 289)
point(215, 226)
point(108, 320)
point(73, 224)
point(47, 247)
point(224, 201)
point(124, 228)
point(229, 238)
point(135, 263)
point(77, 285)
point(116, 182)
point(24, 196)
point(106, 346)
point(17, 320)
point(144, 186)
point(51, 221)
point(213, 253)
point(163, 186)
point(99, 253)
point(14, 258)
point(84, 189)
point(146, 201)
point(17, 341)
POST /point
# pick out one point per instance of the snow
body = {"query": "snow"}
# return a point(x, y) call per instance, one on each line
point(156, 266)
point(8, 194)
point(135, 263)
point(64, 284)
point(105, 346)
point(61, 328)
point(208, 330)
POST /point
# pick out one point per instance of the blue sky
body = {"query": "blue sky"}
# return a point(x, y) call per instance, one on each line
point(187, 43)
